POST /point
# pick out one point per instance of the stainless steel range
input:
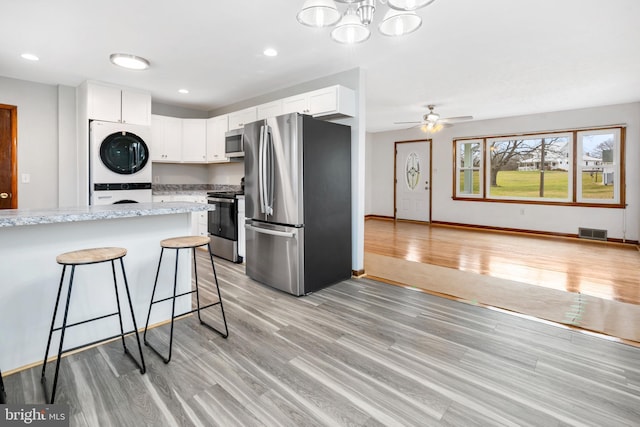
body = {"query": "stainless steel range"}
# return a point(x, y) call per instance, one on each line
point(223, 224)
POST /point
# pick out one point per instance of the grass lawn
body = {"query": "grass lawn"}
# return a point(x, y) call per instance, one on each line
point(527, 184)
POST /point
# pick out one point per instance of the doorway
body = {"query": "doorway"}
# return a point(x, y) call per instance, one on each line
point(413, 180)
point(8, 158)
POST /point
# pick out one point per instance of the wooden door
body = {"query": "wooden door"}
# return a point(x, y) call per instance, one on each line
point(413, 176)
point(8, 159)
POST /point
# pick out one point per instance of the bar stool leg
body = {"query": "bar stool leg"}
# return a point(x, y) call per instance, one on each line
point(53, 321)
point(153, 293)
point(62, 330)
point(3, 394)
point(224, 334)
point(140, 364)
point(173, 308)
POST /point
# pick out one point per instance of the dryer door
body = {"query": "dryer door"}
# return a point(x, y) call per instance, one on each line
point(124, 153)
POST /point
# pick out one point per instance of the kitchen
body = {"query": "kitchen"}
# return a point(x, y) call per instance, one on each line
point(54, 183)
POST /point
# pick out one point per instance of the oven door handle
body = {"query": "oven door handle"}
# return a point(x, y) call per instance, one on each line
point(268, 231)
point(219, 200)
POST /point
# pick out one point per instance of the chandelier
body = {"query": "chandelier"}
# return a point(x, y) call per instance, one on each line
point(353, 26)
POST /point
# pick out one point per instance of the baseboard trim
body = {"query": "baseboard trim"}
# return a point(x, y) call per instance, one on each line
point(381, 217)
point(525, 231)
point(357, 273)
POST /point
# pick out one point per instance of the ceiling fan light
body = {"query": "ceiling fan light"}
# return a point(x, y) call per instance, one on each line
point(399, 23)
point(350, 30)
point(432, 117)
point(318, 13)
point(408, 4)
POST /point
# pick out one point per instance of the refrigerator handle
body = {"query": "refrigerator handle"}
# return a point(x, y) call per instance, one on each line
point(270, 167)
point(271, 232)
point(261, 186)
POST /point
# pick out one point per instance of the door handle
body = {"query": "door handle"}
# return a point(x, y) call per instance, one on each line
point(4, 195)
point(268, 231)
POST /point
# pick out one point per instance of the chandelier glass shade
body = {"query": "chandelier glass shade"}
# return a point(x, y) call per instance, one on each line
point(408, 4)
point(352, 26)
point(398, 23)
point(319, 13)
point(350, 29)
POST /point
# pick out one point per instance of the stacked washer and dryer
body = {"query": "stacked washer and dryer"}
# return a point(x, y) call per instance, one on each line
point(120, 165)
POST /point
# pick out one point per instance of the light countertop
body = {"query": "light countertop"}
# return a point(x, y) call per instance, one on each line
point(20, 217)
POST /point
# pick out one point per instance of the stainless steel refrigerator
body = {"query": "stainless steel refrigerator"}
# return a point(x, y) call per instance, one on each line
point(297, 202)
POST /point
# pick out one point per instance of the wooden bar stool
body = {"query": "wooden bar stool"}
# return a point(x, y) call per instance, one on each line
point(85, 257)
point(177, 243)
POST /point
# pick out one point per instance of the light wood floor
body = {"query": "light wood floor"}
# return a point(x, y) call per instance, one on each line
point(593, 285)
point(603, 270)
point(359, 353)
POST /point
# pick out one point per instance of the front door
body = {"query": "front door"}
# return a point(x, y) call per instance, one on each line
point(413, 176)
point(8, 165)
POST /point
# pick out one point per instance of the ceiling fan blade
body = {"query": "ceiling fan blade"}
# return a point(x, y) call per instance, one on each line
point(456, 119)
point(406, 123)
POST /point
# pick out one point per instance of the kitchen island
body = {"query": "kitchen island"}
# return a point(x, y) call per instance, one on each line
point(31, 239)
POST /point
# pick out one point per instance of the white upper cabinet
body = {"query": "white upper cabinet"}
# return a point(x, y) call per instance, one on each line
point(112, 104)
point(240, 118)
point(331, 101)
point(136, 107)
point(194, 140)
point(166, 139)
point(216, 128)
point(270, 109)
point(296, 104)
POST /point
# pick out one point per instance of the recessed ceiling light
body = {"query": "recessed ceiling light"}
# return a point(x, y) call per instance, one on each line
point(270, 52)
point(30, 57)
point(183, 90)
point(130, 62)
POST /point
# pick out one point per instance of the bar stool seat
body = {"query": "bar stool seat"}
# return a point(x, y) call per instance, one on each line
point(185, 242)
point(87, 257)
point(90, 256)
point(177, 243)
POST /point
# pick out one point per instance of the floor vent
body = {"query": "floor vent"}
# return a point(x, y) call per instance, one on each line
point(592, 233)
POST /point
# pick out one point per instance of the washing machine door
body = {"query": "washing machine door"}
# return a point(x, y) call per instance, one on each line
point(124, 153)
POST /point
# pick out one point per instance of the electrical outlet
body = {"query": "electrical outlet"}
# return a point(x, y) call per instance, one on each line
point(521, 211)
point(26, 178)
point(156, 179)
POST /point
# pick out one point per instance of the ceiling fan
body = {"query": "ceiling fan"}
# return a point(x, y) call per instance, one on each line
point(431, 122)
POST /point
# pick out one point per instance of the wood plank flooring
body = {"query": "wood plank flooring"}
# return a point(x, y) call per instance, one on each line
point(603, 270)
point(359, 353)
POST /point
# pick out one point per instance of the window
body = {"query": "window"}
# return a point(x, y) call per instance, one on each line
point(570, 167)
point(530, 167)
point(469, 168)
point(598, 166)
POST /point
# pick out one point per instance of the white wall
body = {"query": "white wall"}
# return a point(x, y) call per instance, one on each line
point(37, 140)
point(620, 223)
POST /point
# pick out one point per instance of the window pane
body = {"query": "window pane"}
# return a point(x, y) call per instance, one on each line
point(469, 159)
point(531, 168)
point(598, 166)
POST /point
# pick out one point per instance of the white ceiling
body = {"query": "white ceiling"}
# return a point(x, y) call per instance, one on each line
point(486, 58)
